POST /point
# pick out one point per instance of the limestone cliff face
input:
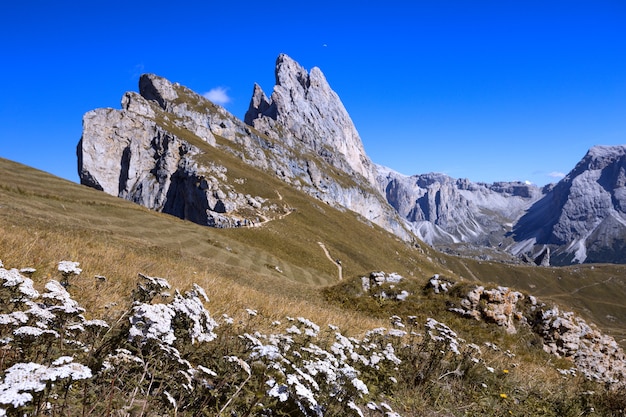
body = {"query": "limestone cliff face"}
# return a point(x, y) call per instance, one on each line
point(583, 217)
point(445, 210)
point(303, 108)
point(146, 153)
point(134, 154)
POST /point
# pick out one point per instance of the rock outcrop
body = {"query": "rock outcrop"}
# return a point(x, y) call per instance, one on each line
point(564, 334)
point(583, 217)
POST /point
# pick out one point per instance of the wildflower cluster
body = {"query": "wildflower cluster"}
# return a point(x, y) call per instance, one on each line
point(40, 336)
point(166, 355)
point(166, 352)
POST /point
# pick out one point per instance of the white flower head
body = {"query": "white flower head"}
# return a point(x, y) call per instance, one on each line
point(69, 268)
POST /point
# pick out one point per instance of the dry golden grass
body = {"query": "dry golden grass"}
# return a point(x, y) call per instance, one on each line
point(44, 220)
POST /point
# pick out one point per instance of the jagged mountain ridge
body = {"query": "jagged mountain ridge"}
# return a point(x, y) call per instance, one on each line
point(444, 210)
point(583, 217)
point(128, 153)
point(303, 135)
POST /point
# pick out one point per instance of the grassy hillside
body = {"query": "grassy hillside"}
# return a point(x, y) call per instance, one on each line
point(279, 269)
point(44, 219)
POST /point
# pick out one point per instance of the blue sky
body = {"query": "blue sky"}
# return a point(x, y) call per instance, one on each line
point(485, 90)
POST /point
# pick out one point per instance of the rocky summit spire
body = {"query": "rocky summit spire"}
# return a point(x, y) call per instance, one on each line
point(303, 108)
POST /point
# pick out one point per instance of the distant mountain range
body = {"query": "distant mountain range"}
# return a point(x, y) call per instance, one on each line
point(148, 152)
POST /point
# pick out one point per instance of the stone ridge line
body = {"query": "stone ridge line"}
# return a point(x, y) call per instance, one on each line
point(337, 262)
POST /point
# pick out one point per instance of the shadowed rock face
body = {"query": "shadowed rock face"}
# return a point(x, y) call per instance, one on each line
point(583, 216)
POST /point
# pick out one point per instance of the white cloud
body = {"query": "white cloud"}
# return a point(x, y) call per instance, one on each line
point(218, 95)
point(556, 174)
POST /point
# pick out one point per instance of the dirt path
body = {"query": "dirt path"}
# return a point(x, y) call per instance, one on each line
point(337, 263)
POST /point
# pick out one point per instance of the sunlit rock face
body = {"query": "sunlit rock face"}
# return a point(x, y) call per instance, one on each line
point(303, 108)
point(148, 151)
point(583, 217)
point(444, 210)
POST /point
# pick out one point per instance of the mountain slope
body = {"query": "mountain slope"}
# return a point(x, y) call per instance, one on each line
point(444, 210)
point(156, 151)
point(582, 217)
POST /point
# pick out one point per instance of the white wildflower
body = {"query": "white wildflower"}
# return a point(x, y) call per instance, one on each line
point(378, 331)
point(240, 362)
point(96, 323)
point(278, 391)
point(199, 292)
point(69, 268)
point(396, 321)
point(160, 283)
point(266, 351)
point(152, 322)
point(20, 380)
point(375, 359)
point(372, 406)
point(354, 407)
point(360, 386)
point(170, 399)
point(12, 278)
point(30, 331)
point(14, 318)
point(207, 370)
point(390, 354)
point(490, 369)
point(396, 333)
point(251, 312)
point(191, 307)
point(301, 390)
point(64, 300)
point(308, 323)
point(293, 330)
point(64, 367)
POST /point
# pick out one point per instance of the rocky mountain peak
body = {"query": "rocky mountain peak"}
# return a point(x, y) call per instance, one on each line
point(584, 215)
point(155, 88)
point(304, 109)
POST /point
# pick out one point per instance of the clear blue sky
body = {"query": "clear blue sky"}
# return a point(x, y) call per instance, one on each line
point(485, 90)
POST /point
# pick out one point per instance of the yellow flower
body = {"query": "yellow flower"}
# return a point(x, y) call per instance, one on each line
point(506, 371)
point(503, 395)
